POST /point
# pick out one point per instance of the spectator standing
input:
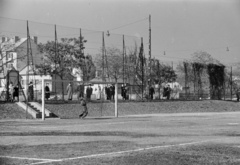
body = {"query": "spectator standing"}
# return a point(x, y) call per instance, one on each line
point(30, 91)
point(69, 91)
point(164, 91)
point(125, 91)
point(107, 90)
point(151, 92)
point(11, 92)
point(47, 92)
point(122, 91)
point(238, 94)
point(16, 92)
point(168, 92)
point(78, 90)
point(112, 91)
point(98, 93)
point(81, 90)
point(89, 92)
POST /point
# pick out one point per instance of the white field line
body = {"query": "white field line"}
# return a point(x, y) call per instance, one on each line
point(25, 158)
point(127, 151)
point(44, 162)
point(233, 123)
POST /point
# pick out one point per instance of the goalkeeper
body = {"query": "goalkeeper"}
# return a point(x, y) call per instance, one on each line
point(85, 110)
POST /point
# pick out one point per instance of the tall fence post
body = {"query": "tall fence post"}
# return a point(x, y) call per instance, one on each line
point(43, 100)
point(231, 84)
point(116, 99)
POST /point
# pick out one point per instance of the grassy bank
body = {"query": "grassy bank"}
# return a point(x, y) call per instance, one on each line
point(72, 110)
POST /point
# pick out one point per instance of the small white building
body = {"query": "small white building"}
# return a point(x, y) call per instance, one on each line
point(36, 79)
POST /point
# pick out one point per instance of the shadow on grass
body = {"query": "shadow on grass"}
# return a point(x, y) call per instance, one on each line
point(97, 133)
point(230, 134)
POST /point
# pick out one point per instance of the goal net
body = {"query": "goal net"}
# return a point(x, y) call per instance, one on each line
point(62, 97)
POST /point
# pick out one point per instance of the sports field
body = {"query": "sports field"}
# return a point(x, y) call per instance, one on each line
point(186, 138)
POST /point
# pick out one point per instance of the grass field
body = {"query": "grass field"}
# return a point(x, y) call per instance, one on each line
point(96, 109)
point(154, 138)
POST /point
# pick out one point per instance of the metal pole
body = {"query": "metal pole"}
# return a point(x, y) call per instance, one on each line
point(55, 60)
point(142, 65)
point(159, 85)
point(150, 58)
point(103, 47)
point(123, 58)
point(43, 100)
point(231, 83)
point(27, 75)
point(172, 80)
point(116, 99)
point(150, 61)
point(224, 86)
point(81, 53)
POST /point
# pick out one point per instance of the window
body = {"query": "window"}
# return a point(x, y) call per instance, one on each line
point(23, 82)
point(9, 56)
point(9, 65)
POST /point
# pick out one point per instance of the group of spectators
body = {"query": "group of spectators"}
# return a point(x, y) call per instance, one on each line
point(110, 91)
point(166, 92)
point(80, 91)
point(13, 92)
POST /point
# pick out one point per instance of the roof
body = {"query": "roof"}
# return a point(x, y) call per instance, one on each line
point(12, 45)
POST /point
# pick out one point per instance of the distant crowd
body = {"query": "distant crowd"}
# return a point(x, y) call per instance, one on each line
point(105, 92)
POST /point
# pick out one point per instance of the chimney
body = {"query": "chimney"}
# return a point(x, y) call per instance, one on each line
point(16, 39)
point(35, 39)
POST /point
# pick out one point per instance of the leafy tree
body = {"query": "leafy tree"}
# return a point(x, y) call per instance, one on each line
point(162, 73)
point(191, 71)
point(62, 57)
point(216, 78)
point(113, 63)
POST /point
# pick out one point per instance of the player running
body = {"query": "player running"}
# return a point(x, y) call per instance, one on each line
point(85, 110)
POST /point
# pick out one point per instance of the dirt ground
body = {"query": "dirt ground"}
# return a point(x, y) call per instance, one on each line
point(169, 138)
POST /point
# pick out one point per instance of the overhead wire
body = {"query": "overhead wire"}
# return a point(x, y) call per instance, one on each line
point(128, 24)
point(97, 31)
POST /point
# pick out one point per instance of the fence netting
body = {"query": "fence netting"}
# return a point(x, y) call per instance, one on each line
point(140, 77)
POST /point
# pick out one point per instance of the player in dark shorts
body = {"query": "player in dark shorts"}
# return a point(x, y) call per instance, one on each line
point(85, 110)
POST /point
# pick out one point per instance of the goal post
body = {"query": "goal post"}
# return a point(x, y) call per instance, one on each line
point(60, 94)
point(43, 99)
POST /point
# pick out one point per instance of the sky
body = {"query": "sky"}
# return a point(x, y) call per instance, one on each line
point(178, 27)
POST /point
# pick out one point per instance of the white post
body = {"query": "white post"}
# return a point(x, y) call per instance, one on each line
point(43, 99)
point(116, 100)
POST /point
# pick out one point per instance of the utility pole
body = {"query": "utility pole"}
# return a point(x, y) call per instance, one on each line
point(55, 59)
point(123, 59)
point(103, 51)
point(141, 51)
point(150, 61)
point(27, 76)
point(81, 53)
point(231, 83)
